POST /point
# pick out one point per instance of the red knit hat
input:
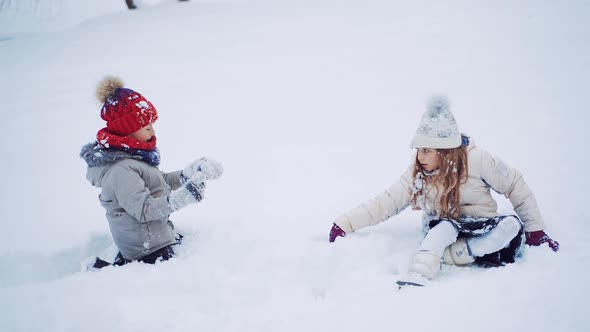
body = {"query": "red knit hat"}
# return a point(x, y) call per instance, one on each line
point(124, 110)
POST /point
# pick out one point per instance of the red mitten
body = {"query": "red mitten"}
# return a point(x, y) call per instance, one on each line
point(335, 232)
point(537, 238)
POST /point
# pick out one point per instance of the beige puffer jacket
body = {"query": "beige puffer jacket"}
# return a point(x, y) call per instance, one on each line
point(485, 171)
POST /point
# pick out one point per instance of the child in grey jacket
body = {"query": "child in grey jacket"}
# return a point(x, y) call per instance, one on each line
point(137, 196)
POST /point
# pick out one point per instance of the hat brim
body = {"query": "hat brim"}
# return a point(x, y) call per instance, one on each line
point(436, 142)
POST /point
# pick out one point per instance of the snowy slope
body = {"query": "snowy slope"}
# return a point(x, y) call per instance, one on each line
point(22, 17)
point(311, 106)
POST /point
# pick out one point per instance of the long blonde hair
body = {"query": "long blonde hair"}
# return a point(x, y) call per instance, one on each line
point(452, 172)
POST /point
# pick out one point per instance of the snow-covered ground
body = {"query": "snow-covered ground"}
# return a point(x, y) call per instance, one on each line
point(311, 106)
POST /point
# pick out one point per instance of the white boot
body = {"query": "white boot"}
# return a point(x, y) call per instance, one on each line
point(424, 267)
point(458, 253)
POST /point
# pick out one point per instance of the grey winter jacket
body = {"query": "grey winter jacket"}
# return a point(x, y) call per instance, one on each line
point(486, 172)
point(135, 196)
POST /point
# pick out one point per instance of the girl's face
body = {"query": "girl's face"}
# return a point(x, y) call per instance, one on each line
point(429, 159)
point(144, 134)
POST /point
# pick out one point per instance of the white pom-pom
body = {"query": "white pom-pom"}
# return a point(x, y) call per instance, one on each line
point(107, 87)
point(438, 104)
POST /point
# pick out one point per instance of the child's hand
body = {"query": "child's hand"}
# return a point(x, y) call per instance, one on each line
point(211, 168)
point(335, 232)
point(191, 192)
point(537, 238)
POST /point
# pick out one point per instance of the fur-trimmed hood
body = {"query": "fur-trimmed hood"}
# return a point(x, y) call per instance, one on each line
point(100, 159)
point(95, 155)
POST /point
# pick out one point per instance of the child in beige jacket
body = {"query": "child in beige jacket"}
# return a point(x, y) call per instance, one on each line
point(450, 182)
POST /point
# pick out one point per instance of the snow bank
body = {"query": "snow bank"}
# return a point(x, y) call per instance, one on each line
point(310, 105)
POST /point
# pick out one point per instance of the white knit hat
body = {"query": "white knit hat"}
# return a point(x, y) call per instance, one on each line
point(438, 128)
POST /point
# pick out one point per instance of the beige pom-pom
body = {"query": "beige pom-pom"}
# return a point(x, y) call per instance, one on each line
point(107, 87)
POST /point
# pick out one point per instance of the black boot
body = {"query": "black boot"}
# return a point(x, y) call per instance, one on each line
point(130, 4)
point(163, 254)
point(99, 263)
point(490, 260)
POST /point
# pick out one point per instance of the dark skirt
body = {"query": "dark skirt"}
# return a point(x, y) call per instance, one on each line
point(473, 227)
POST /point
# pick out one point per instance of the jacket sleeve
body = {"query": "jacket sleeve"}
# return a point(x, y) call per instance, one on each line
point(384, 206)
point(133, 195)
point(172, 179)
point(509, 182)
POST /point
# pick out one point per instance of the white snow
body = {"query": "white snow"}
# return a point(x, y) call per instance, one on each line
point(143, 105)
point(310, 106)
